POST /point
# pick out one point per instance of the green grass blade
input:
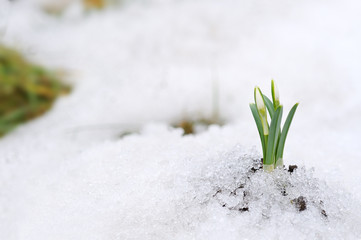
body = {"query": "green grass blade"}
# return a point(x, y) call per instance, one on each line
point(273, 136)
point(269, 106)
point(258, 121)
point(285, 129)
point(14, 116)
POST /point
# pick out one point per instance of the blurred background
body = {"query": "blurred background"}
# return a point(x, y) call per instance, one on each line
point(186, 63)
point(176, 61)
point(119, 65)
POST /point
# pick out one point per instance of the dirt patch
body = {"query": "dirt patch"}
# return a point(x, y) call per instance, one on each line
point(196, 126)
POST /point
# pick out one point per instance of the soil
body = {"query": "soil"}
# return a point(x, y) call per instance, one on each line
point(189, 126)
point(300, 203)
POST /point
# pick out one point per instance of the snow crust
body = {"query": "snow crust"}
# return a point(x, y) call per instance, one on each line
point(144, 65)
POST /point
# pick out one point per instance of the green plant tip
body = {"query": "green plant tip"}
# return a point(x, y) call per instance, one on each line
point(275, 95)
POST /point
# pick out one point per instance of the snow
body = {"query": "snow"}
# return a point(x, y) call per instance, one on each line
point(141, 67)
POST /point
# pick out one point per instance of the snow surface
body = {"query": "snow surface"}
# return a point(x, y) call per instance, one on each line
point(144, 65)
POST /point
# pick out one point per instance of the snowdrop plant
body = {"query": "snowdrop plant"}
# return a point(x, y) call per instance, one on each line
point(273, 137)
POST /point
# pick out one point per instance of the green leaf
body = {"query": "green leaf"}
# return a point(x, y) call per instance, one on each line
point(269, 106)
point(273, 136)
point(285, 129)
point(258, 121)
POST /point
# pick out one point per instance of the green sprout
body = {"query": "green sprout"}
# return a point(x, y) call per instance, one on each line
point(273, 138)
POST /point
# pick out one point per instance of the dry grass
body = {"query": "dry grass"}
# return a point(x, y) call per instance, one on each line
point(26, 90)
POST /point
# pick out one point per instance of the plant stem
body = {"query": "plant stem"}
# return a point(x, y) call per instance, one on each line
point(268, 167)
point(265, 148)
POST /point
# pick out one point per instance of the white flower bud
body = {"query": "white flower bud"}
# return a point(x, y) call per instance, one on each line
point(260, 102)
point(261, 107)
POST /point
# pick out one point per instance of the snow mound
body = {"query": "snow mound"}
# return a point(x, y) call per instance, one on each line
point(159, 184)
point(245, 203)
